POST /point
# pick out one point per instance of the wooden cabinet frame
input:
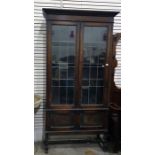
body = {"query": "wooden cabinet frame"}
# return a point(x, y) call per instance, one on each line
point(79, 113)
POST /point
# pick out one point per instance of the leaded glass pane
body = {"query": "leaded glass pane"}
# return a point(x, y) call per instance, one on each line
point(63, 64)
point(94, 54)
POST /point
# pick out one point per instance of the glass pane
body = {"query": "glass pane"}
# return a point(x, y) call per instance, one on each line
point(94, 56)
point(70, 95)
point(100, 73)
point(92, 95)
point(63, 95)
point(86, 72)
point(84, 95)
point(55, 82)
point(99, 94)
point(85, 83)
point(70, 83)
point(56, 95)
point(92, 83)
point(63, 73)
point(63, 63)
point(63, 83)
point(93, 72)
point(55, 72)
point(71, 72)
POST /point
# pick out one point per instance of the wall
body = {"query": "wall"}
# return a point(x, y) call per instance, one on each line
point(40, 44)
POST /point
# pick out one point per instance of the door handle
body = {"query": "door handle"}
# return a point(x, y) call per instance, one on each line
point(105, 65)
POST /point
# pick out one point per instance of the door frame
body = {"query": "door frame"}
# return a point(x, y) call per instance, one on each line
point(49, 64)
point(107, 76)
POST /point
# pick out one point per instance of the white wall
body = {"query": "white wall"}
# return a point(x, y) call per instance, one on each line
point(40, 43)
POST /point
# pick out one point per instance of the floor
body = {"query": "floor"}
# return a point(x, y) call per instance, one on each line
point(72, 149)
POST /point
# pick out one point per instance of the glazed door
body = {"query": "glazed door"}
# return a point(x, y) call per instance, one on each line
point(64, 41)
point(94, 64)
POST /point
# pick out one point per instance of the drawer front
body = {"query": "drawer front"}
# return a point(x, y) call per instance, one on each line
point(94, 119)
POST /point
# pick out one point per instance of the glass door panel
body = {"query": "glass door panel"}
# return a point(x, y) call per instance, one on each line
point(94, 57)
point(63, 64)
